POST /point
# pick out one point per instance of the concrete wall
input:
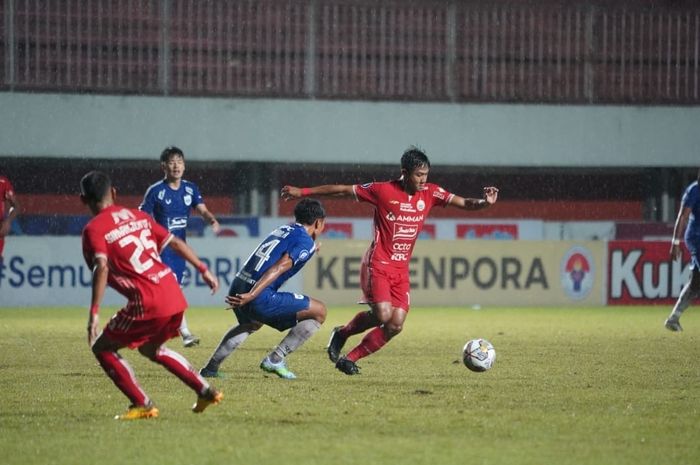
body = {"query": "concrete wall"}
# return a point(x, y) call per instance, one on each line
point(133, 127)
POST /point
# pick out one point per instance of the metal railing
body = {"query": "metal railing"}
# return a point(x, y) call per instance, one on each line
point(422, 50)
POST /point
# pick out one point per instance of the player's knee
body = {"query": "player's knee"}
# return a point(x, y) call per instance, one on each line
point(321, 313)
point(252, 327)
point(393, 328)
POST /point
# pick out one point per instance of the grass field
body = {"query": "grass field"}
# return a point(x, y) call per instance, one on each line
point(570, 386)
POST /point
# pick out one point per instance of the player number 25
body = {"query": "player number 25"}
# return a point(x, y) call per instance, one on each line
point(143, 244)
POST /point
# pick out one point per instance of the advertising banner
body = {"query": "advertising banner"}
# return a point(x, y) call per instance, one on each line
point(50, 271)
point(642, 273)
point(473, 273)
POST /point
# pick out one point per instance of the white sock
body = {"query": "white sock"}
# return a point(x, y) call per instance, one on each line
point(184, 330)
point(294, 339)
point(683, 302)
point(230, 342)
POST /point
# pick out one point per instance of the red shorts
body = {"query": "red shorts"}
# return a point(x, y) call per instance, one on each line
point(131, 333)
point(385, 285)
point(2, 246)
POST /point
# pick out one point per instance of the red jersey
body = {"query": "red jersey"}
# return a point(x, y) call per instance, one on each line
point(6, 193)
point(131, 242)
point(398, 219)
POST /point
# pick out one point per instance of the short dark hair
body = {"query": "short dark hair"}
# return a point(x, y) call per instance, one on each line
point(94, 186)
point(169, 152)
point(414, 158)
point(307, 211)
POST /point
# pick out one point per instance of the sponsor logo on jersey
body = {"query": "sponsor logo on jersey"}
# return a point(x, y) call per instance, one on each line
point(440, 194)
point(122, 215)
point(577, 272)
point(407, 207)
point(420, 205)
point(179, 222)
point(411, 218)
point(188, 200)
point(189, 190)
point(405, 231)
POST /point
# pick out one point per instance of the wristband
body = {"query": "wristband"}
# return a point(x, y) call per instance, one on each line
point(94, 309)
point(202, 268)
point(305, 191)
point(676, 242)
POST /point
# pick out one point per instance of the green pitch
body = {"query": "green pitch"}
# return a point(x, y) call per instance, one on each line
point(570, 386)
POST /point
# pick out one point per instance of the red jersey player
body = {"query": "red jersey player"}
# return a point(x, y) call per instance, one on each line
point(7, 196)
point(121, 246)
point(401, 207)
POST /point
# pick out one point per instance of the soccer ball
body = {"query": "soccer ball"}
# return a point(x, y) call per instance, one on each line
point(478, 355)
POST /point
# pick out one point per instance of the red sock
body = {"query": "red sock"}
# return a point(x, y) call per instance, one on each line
point(180, 367)
point(123, 377)
point(359, 324)
point(372, 342)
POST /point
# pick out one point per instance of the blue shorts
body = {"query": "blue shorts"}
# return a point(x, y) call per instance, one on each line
point(276, 309)
point(174, 261)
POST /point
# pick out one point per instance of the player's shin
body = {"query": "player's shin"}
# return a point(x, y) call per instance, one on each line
point(122, 375)
point(180, 367)
point(372, 342)
point(233, 338)
point(683, 302)
point(294, 339)
point(360, 323)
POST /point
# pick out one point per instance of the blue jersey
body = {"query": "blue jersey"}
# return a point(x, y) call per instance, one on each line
point(292, 240)
point(691, 199)
point(171, 209)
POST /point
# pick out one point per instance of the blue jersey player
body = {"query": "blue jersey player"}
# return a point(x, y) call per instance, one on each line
point(689, 220)
point(170, 202)
point(255, 297)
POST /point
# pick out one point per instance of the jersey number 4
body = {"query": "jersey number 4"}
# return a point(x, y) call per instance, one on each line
point(144, 246)
point(264, 252)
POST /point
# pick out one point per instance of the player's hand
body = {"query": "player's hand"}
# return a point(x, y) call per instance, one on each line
point(675, 251)
point(239, 300)
point(490, 194)
point(215, 227)
point(211, 281)
point(92, 328)
point(290, 193)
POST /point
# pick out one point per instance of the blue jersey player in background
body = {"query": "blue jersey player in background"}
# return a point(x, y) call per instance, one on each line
point(170, 202)
point(255, 297)
point(689, 220)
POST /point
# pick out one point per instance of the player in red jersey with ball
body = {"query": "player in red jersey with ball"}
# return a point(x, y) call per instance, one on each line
point(122, 248)
point(400, 209)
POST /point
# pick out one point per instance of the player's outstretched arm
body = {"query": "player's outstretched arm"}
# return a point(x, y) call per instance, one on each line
point(100, 271)
point(208, 217)
point(490, 197)
point(333, 190)
point(275, 271)
point(186, 252)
